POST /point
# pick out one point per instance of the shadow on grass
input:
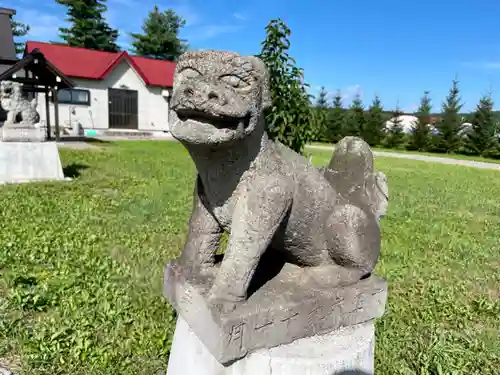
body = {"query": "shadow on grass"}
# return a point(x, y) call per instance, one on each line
point(73, 170)
point(83, 139)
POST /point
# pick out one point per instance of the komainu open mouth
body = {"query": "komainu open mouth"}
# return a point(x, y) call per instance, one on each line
point(219, 121)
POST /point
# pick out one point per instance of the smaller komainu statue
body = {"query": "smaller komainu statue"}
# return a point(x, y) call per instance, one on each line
point(20, 111)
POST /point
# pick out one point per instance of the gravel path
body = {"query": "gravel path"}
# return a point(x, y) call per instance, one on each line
point(433, 159)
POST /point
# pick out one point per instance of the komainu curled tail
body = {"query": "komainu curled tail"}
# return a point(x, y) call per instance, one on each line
point(351, 171)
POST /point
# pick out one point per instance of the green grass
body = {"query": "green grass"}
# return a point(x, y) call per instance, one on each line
point(81, 265)
point(448, 156)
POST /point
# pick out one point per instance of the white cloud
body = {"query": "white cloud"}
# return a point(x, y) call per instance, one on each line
point(205, 32)
point(43, 26)
point(488, 65)
point(239, 16)
point(350, 92)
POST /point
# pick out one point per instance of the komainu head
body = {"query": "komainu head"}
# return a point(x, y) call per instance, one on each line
point(218, 97)
point(9, 89)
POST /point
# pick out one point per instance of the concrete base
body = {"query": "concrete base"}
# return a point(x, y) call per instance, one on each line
point(29, 161)
point(346, 351)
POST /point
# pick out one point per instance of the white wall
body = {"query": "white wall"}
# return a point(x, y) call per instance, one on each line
point(152, 106)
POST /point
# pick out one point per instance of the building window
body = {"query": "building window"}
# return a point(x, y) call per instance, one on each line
point(74, 96)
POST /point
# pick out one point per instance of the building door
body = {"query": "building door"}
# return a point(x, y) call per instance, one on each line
point(123, 109)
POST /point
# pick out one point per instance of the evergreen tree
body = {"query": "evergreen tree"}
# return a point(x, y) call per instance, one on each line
point(322, 100)
point(19, 29)
point(483, 139)
point(373, 129)
point(448, 138)
point(335, 120)
point(321, 108)
point(419, 139)
point(160, 38)
point(291, 119)
point(355, 118)
point(88, 29)
point(395, 134)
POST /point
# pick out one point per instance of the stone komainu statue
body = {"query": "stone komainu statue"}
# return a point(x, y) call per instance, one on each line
point(269, 198)
point(20, 111)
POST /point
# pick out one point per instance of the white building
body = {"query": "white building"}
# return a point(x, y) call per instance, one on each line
point(407, 122)
point(113, 91)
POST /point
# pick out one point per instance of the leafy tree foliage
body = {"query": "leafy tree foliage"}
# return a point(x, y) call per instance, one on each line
point(483, 139)
point(448, 139)
point(355, 118)
point(160, 37)
point(88, 29)
point(291, 119)
point(395, 134)
point(19, 29)
point(373, 129)
point(419, 139)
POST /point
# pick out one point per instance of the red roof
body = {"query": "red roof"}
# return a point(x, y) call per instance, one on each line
point(85, 63)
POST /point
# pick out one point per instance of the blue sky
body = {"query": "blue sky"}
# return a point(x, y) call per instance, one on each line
point(394, 48)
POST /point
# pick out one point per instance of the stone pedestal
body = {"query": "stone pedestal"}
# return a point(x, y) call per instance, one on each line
point(19, 133)
point(346, 351)
point(294, 323)
point(29, 161)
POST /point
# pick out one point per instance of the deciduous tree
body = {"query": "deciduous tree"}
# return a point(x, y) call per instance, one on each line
point(160, 37)
point(291, 119)
point(88, 27)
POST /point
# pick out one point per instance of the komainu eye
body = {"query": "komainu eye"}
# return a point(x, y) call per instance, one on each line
point(188, 73)
point(234, 81)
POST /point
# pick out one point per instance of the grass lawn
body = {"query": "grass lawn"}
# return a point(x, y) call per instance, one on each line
point(448, 156)
point(81, 265)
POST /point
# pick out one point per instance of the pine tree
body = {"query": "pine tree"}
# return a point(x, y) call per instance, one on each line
point(483, 139)
point(373, 129)
point(321, 108)
point(419, 139)
point(395, 134)
point(88, 29)
point(160, 38)
point(291, 119)
point(19, 29)
point(448, 138)
point(355, 118)
point(322, 100)
point(335, 120)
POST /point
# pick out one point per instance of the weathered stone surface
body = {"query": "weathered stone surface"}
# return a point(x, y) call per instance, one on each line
point(351, 171)
point(303, 242)
point(22, 134)
point(346, 351)
point(19, 110)
point(29, 161)
point(269, 198)
point(295, 304)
